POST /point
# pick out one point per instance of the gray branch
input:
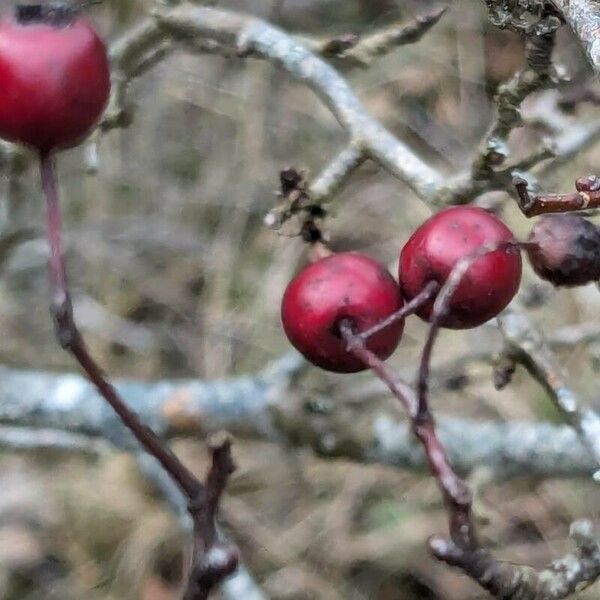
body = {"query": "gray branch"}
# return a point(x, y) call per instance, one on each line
point(583, 16)
point(261, 407)
point(353, 51)
point(506, 580)
point(250, 36)
point(526, 344)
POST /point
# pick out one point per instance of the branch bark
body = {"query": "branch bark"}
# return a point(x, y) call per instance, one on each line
point(263, 407)
point(583, 16)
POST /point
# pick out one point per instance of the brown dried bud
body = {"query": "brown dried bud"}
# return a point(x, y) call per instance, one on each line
point(565, 250)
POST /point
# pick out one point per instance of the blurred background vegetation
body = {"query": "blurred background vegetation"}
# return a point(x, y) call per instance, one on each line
point(175, 275)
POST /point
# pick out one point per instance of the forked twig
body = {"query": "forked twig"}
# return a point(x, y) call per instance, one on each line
point(212, 560)
point(457, 495)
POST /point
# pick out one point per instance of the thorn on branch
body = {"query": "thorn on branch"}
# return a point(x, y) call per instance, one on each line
point(504, 369)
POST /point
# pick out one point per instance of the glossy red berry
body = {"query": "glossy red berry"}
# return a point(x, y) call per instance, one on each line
point(434, 249)
point(54, 76)
point(565, 250)
point(342, 286)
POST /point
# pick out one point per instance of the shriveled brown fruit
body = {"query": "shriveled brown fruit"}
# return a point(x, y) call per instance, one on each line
point(564, 249)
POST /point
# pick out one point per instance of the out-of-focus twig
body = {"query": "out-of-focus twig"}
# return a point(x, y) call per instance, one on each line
point(259, 407)
point(527, 345)
point(559, 580)
point(583, 16)
point(353, 51)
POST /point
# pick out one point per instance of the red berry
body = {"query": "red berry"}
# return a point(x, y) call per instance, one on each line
point(342, 286)
point(434, 249)
point(565, 250)
point(54, 76)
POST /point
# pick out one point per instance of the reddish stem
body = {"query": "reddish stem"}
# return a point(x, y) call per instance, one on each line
point(585, 197)
point(424, 296)
point(441, 306)
point(71, 340)
point(457, 496)
point(212, 560)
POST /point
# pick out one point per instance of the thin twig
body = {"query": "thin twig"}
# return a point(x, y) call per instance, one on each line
point(457, 497)
point(353, 51)
point(71, 340)
point(424, 296)
point(441, 306)
point(212, 560)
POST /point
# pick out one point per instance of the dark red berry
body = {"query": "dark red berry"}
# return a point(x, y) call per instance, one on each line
point(54, 76)
point(434, 249)
point(565, 250)
point(342, 286)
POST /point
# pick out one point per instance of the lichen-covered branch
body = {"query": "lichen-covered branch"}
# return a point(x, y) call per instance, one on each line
point(537, 74)
point(335, 174)
point(261, 407)
point(531, 17)
point(250, 36)
point(583, 16)
point(506, 580)
point(487, 171)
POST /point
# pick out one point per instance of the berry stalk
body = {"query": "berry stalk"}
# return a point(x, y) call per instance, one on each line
point(424, 296)
point(456, 494)
point(441, 308)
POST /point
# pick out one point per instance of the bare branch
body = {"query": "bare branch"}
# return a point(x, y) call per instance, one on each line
point(583, 16)
point(507, 580)
point(336, 173)
point(537, 74)
point(353, 51)
point(260, 407)
point(23, 439)
point(532, 206)
point(527, 345)
point(250, 36)
point(212, 559)
point(485, 173)
point(456, 494)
